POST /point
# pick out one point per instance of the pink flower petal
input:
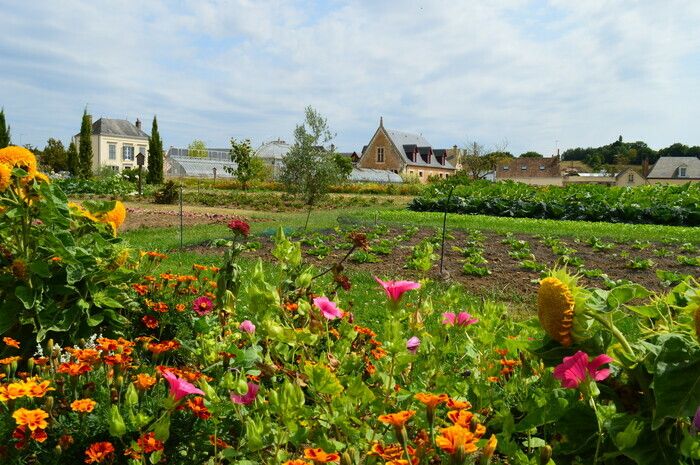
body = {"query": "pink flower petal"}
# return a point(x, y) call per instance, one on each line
point(448, 318)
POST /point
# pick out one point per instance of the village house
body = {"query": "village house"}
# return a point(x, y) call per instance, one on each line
point(404, 153)
point(675, 170)
point(536, 171)
point(627, 177)
point(115, 144)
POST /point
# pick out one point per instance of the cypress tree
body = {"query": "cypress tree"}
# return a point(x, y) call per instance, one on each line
point(155, 156)
point(85, 147)
point(72, 159)
point(4, 130)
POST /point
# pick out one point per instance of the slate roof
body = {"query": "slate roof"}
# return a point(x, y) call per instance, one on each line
point(117, 127)
point(401, 140)
point(667, 168)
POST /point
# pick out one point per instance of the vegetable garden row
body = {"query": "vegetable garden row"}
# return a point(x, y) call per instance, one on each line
point(653, 204)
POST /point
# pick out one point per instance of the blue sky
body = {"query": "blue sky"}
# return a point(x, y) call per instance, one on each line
point(525, 75)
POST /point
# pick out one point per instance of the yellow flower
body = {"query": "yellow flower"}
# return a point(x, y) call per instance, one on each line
point(490, 447)
point(115, 217)
point(19, 157)
point(32, 419)
point(5, 176)
point(78, 210)
point(556, 304)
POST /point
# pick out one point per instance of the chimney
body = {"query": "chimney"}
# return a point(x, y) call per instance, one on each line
point(138, 123)
point(645, 167)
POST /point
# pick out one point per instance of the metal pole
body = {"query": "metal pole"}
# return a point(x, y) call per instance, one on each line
point(181, 222)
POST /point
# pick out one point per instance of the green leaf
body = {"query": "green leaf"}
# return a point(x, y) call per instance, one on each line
point(25, 295)
point(676, 378)
point(322, 380)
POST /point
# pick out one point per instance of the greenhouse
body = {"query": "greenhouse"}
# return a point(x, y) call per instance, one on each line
point(370, 175)
point(180, 164)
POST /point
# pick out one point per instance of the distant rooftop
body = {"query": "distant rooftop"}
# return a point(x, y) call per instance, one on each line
point(117, 127)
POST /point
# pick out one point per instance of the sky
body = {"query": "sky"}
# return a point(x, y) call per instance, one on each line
point(514, 74)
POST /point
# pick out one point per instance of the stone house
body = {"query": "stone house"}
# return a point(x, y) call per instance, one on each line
point(404, 153)
point(675, 170)
point(115, 144)
point(536, 171)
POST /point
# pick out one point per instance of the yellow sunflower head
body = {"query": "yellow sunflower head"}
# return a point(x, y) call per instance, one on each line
point(5, 176)
point(19, 157)
point(560, 301)
point(115, 217)
point(78, 210)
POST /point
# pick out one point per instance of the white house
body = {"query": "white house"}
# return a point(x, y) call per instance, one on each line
point(115, 143)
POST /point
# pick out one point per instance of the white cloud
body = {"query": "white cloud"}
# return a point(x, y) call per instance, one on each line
point(577, 72)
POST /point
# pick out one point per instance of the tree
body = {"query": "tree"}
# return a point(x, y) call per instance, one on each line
point(674, 150)
point(197, 149)
point(309, 170)
point(531, 154)
point(477, 163)
point(54, 155)
point(72, 162)
point(242, 155)
point(85, 147)
point(5, 138)
point(155, 156)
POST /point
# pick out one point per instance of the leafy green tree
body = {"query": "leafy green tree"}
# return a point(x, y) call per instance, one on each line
point(197, 149)
point(54, 155)
point(248, 166)
point(344, 165)
point(674, 150)
point(5, 138)
point(309, 170)
point(72, 162)
point(531, 154)
point(155, 156)
point(85, 147)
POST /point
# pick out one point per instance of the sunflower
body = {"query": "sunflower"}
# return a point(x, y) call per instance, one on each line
point(558, 299)
point(19, 157)
point(5, 176)
point(115, 217)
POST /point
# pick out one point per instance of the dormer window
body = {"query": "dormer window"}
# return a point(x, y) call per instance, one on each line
point(682, 171)
point(506, 168)
point(541, 167)
point(523, 168)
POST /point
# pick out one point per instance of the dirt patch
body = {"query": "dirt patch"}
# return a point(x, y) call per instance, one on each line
point(169, 216)
point(507, 275)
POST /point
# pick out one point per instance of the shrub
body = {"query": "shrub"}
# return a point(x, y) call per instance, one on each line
point(168, 194)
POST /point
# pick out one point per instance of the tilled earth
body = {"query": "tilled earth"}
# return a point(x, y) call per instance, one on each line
point(507, 275)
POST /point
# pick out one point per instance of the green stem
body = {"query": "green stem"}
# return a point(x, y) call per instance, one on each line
point(613, 329)
point(600, 431)
point(391, 378)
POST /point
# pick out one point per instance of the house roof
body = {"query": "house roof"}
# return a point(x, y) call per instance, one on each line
point(668, 168)
point(402, 139)
point(528, 167)
point(117, 127)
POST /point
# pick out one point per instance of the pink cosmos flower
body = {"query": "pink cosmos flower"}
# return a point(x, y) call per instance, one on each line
point(247, 326)
point(413, 344)
point(574, 370)
point(202, 305)
point(395, 289)
point(328, 308)
point(461, 319)
point(180, 388)
point(248, 397)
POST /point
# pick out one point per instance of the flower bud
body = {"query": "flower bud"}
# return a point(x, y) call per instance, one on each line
point(345, 459)
point(545, 454)
point(117, 427)
point(48, 403)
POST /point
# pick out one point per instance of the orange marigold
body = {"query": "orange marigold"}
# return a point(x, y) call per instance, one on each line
point(10, 342)
point(456, 439)
point(73, 369)
point(99, 452)
point(144, 381)
point(320, 456)
point(32, 419)
point(398, 419)
point(148, 443)
point(83, 405)
point(9, 360)
point(296, 462)
point(431, 400)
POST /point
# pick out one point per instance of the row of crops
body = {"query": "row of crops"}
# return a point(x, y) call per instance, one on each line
point(652, 204)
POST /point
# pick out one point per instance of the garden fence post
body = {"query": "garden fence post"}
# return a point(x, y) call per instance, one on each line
point(181, 216)
point(444, 227)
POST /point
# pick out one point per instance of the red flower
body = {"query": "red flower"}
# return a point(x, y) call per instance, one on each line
point(239, 227)
point(99, 452)
point(202, 305)
point(150, 321)
point(148, 443)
